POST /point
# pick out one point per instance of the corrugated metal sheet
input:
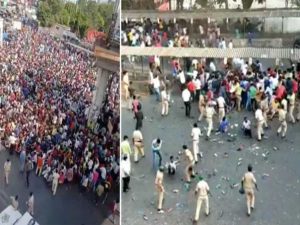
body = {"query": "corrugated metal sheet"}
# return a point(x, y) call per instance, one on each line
point(217, 14)
point(271, 53)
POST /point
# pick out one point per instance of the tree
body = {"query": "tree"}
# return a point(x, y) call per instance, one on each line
point(81, 16)
point(203, 3)
point(247, 4)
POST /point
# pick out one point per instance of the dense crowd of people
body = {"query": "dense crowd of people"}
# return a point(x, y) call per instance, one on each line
point(268, 93)
point(46, 98)
point(206, 33)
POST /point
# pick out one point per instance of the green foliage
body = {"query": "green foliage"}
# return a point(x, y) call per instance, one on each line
point(203, 3)
point(80, 17)
point(247, 4)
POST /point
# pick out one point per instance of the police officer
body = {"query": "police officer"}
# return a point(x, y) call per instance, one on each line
point(201, 192)
point(264, 105)
point(164, 102)
point(221, 107)
point(282, 120)
point(210, 111)
point(291, 99)
point(260, 121)
point(160, 188)
point(248, 183)
point(196, 133)
point(201, 106)
point(138, 145)
point(189, 169)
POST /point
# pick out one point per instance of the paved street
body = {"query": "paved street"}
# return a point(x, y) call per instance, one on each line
point(67, 207)
point(277, 202)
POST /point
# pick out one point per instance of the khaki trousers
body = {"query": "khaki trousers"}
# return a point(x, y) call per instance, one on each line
point(221, 113)
point(260, 130)
point(196, 149)
point(265, 123)
point(126, 91)
point(165, 108)
point(201, 109)
point(160, 193)
point(282, 128)
point(189, 173)
point(210, 126)
point(291, 112)
point(199, 203)
point(250, 198)
point(238, 102)
point(138, 149)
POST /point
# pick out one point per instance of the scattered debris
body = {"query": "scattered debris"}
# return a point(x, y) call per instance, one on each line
point(225, 155)
point(221, 214)
point(215, 172)
point(265, 175)
point(216, 155)
point(175, 191)
point(232, 186)
point(218, 186)
point(169, 210)
point(275, 148)
point(223, 192)
point(201, 154)
point(145, 217)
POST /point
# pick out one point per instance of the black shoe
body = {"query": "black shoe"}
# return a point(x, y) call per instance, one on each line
point(248, 214)
point(277, 133)
point(136, 161)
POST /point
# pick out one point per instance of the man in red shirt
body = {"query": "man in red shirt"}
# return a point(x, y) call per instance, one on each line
point(192, 88)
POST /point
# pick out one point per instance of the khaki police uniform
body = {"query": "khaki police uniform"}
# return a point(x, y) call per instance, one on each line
point(138, 145)
point(264, 105)
point(260, 121)
point(249, 182)
point(283, 125)
point(202, 190)
point(221, 107)
point(164, 103)
point(210, 111)
point(190, 164)
point(292, 107)
point(196, 132)
point(201, 107)
point(159, 188)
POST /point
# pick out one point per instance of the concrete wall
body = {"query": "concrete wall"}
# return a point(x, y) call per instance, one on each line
point(259, 43)
point(285, 25)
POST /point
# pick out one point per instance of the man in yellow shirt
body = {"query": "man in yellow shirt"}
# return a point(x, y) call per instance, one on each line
point(125, 147)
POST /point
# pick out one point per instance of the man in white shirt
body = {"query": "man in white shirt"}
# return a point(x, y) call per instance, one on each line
point(247, 127)
point(212, 66)
point(195, 134)
point(186, 96)
point(7, 169)
point(260, 121)
point(221, 107)
point(182, 79)
point(201, 192)
point(230, 44)
point(197, 83)
point(125, 173)
point(55, 181)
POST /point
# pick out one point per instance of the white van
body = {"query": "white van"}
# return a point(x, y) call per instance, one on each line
point(9, 216)
point(26, 219)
